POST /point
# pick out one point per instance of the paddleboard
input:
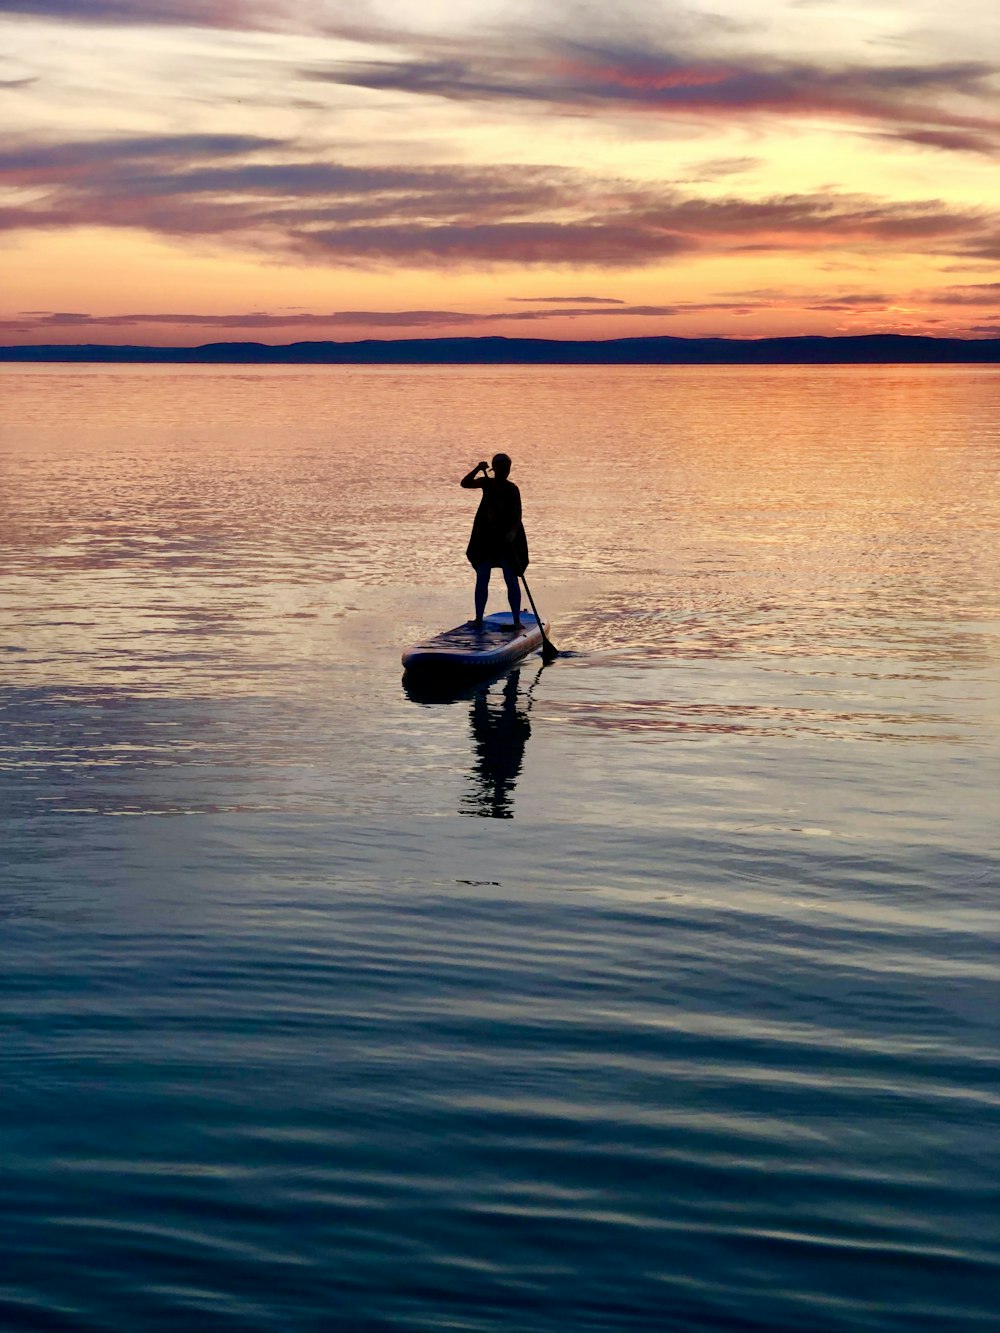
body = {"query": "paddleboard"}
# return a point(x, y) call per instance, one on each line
point(465, 649)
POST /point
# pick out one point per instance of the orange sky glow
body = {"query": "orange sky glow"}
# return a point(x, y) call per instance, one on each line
point(177, 172)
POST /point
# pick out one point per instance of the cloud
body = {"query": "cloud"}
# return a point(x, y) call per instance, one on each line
point(983, 247)
point(594, 241)
point(986, 143)
point(569, 62)
point(974, 293)
point(579, 77)
point(568, 300)
point(263, 193)
point(859, 303)
point(44, 325)
point(718, 168)
point(41, 321)
point(258, 319)
point(175, 13)
point(28, 160)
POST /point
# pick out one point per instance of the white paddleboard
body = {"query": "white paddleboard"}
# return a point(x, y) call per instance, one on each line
point(465, 649)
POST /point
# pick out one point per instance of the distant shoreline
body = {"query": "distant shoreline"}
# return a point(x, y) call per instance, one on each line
point(861, 349)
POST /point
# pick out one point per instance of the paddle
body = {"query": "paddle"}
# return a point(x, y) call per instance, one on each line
point(549, 651)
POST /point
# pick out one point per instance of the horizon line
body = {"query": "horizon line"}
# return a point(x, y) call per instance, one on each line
point(653, 349)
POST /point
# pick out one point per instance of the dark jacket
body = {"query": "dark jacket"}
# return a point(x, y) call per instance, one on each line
point(497, 533)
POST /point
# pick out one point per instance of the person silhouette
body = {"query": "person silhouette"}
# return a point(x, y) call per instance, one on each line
point(498, 539)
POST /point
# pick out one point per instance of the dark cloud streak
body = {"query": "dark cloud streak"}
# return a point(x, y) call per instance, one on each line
point(37, 158)
point(567, 300)
point(974, 294)
point(260, 193)
point(954, 141)
point(48, 320)
point(599, 242)
point(232, 14)
point(581, 78)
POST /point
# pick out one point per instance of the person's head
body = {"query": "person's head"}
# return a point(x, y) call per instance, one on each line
point(501, 466)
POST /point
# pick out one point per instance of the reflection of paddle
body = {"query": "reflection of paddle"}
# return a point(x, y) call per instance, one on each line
point(549, 651)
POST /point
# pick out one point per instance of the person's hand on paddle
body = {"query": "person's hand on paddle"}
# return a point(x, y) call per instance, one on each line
point(483, 466)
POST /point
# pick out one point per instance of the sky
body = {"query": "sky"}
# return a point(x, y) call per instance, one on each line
point(186, 171)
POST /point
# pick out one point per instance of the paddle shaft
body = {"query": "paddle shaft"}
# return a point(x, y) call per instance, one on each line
point(548, 650)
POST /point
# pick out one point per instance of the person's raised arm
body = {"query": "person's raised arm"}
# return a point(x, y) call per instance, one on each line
point(472, 480)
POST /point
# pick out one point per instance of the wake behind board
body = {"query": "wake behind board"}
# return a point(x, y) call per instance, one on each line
point(465, 649)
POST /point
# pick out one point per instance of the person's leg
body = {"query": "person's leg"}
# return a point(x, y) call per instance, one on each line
point(513, 581)
point(482, 590)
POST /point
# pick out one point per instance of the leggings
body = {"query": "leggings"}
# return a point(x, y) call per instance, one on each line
point(511, 578)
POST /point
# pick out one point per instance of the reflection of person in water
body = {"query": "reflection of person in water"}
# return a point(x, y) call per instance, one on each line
point(497, 534)
point(500, 734)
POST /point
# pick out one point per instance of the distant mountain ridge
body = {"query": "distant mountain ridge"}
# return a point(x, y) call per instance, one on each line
point(858, 349)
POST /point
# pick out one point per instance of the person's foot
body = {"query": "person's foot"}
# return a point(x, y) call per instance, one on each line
point(477, 622)
point(516, 625)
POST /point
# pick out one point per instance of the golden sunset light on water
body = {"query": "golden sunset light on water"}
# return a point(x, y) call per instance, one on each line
point(190, 171)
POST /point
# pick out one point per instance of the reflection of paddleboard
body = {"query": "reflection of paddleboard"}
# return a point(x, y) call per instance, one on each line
point(464, 649)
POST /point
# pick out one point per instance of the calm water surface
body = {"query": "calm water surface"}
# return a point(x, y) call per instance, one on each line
point(655, 989)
